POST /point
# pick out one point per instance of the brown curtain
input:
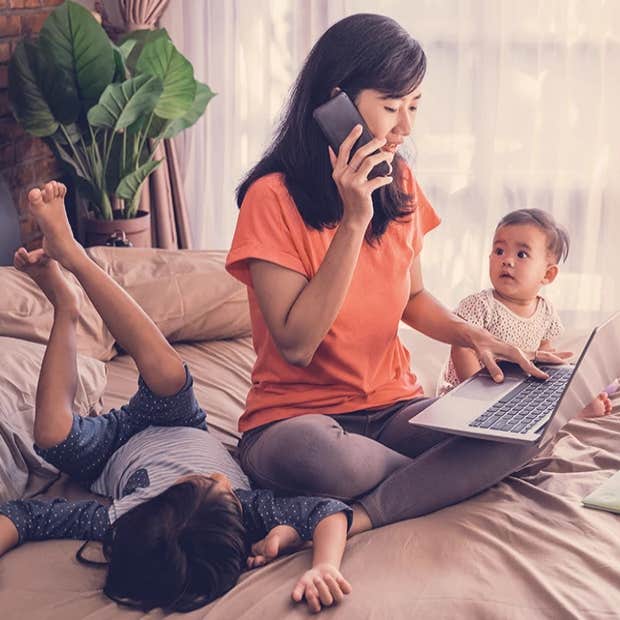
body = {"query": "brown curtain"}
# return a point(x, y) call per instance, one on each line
point(162, 193)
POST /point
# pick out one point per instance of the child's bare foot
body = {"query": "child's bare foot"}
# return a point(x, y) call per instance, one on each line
point(598, 408)
point(48, 208)
point(46, 273)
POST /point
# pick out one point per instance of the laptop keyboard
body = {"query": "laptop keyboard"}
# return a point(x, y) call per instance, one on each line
point(536, 397)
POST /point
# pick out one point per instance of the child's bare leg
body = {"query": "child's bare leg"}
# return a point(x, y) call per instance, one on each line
point(58, 375)
point(598, 408)
point(158, 363)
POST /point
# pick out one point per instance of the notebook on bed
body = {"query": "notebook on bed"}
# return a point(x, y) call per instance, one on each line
point(607, 496)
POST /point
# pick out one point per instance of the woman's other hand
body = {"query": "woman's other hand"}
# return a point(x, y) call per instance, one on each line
point(351, 176)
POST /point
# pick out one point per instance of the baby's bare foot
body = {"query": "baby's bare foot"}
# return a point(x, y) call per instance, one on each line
point(47, 206)
point(46, 272)
point(598, 408)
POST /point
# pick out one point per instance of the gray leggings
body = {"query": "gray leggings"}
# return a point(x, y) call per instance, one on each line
point(394, 469)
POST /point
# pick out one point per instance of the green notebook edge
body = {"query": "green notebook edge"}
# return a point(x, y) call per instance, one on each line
point(606, 496)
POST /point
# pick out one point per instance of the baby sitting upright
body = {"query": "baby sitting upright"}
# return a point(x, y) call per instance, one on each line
point(528, 246)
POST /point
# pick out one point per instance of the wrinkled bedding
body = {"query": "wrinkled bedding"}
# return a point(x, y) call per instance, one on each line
point(526, 548)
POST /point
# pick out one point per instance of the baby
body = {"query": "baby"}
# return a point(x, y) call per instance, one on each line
point(527, 247)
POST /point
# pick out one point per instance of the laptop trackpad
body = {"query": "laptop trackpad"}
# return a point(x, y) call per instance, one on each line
point(484, 388)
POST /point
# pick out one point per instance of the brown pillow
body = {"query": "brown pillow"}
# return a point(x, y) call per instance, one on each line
point(20, 362)
point(187, 293)
point(26, 313)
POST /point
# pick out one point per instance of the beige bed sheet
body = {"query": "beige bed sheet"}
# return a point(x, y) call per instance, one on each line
point(525, 549)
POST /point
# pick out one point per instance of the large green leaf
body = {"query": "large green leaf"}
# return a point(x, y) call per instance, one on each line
point(122, 104)
point(121, 54)
point(161, 128)
point(130, 184)
point(161, 59)
point(25, 92)
point(120, 73)
point(126, 46)
point(133, 43)
point(79, 45)
point(119, 164)
point(58, 89)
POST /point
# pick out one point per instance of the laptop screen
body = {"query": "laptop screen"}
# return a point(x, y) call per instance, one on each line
point(597, 367)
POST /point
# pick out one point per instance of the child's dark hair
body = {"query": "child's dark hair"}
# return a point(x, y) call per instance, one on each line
point(179, 550)
point(362, 51)
point(558, 242)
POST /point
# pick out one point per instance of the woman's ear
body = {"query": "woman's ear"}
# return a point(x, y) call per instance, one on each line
point(335, 91)
point(550, 274)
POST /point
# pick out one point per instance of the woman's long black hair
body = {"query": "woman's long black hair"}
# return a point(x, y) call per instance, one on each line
point(363, 51)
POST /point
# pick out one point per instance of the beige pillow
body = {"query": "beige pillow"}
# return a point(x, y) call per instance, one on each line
point(26, 313)
point(188, 294)
point(20, 362)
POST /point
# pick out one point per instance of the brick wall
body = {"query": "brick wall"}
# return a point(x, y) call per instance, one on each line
point(24, 161)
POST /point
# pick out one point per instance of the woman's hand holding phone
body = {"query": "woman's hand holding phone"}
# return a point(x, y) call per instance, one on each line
point(351, 177)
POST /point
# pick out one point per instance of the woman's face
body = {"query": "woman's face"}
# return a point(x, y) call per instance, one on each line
point(388, 118)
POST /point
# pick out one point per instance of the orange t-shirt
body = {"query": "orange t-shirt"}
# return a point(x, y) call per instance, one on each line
point(361, 363)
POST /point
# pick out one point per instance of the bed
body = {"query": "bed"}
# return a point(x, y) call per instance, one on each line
point(526, 548)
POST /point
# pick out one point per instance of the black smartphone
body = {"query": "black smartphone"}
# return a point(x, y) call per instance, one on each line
point(336, 118)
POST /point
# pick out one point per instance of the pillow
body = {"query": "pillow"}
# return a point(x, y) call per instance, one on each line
point(22, 469)
point(187, 293)
point(26, 313)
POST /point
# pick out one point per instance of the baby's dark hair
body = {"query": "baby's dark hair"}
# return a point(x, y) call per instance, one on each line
point(179, 550)
point(558, 241)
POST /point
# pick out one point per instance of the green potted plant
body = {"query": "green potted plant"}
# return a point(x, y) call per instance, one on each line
point(103, 108)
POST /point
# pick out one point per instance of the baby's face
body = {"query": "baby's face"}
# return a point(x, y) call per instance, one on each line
point(519, 261)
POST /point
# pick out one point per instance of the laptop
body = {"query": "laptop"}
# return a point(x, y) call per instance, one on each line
point(519, 409)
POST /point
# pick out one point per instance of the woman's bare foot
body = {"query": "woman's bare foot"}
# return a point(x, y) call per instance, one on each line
point(47, 206)
point(46, 273)
point(598, 408)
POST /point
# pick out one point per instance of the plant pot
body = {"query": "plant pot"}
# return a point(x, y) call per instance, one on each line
point(137, 229)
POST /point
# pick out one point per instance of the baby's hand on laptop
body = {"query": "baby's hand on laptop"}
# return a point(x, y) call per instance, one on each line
point(551, 356)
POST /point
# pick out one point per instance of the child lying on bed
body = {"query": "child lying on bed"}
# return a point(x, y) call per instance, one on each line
point(527, 247)
point(178, 532)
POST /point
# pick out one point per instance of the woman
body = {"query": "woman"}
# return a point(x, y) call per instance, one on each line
point(332, 263)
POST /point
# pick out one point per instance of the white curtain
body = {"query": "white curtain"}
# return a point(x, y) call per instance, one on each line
point(520, 109)
point(249, 53)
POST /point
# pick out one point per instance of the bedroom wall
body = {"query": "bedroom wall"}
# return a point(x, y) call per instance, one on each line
point(24, 161)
